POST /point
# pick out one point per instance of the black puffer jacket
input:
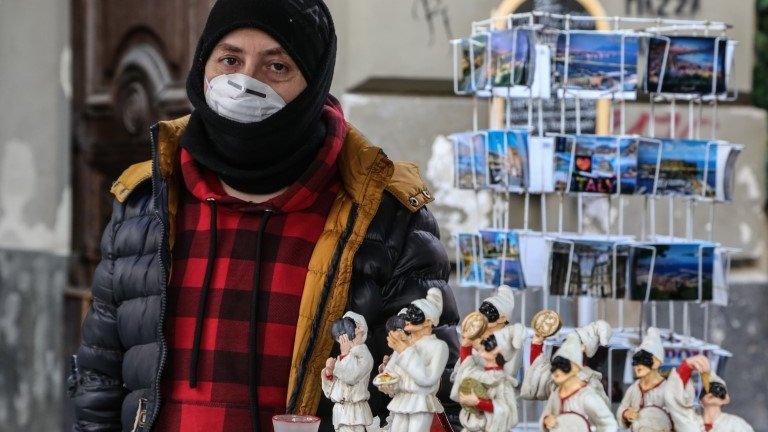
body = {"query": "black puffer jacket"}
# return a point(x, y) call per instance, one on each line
point(115, 384)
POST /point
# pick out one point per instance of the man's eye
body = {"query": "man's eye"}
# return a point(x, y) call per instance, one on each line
point(279, 67)
point(229, 61)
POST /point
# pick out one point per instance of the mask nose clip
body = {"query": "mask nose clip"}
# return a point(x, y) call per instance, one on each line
point(247, 90)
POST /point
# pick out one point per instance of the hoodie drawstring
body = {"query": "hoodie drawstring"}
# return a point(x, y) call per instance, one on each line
point(212, 246)
point(252, 390)
point(212, 251)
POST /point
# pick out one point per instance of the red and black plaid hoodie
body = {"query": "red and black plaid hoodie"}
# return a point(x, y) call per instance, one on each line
point(233, 299)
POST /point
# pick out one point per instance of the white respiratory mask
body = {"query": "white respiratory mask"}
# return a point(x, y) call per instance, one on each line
point(242, 98)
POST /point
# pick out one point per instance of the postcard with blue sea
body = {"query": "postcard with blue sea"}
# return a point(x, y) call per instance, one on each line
point(688, 167)
point(695, 65)
point(512, 52)
point(589, 65)
point(681, 271)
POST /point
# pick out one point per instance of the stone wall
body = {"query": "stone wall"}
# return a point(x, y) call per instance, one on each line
point(34, 210)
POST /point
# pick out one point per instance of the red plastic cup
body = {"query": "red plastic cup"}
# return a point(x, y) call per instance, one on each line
point(295, 423)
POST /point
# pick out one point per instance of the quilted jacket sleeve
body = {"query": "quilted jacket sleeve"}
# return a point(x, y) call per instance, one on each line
point(95, 384)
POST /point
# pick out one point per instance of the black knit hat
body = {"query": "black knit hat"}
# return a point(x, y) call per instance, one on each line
point(304, 28)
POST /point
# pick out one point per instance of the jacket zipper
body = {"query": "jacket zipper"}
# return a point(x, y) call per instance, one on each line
point(321, 307)
point(163, 281)
point(141, 415)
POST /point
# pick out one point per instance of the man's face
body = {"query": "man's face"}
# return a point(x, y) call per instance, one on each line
point(254, 53)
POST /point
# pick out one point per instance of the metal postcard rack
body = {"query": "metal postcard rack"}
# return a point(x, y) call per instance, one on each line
point(554, 32)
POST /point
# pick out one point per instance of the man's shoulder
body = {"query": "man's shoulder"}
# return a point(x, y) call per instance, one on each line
point(406, 184)
point(134, 176)
point(408, 187)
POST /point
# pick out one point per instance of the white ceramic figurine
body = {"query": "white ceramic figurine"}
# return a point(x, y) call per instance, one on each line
point(415, 368)
point(538, 383)
point(345, 379)
point(497, 311)
point(714, 396)
point(487, 394)
point(645, 406)
point(574, 406)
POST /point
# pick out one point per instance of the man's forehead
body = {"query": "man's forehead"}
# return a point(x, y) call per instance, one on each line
point(234, 45)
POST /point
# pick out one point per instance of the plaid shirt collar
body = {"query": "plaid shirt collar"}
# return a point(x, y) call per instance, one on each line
point(203, 184)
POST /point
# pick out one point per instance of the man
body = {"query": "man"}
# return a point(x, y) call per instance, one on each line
point(419, 364)
point(574, 400)
point(260, 220)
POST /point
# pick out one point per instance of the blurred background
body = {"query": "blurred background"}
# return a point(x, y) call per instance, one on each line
point(81, 81)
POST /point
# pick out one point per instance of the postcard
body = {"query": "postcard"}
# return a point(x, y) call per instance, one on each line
point(594, 65)
point(468, 259)
point(688, 167)
point(722, 266)
point(727, 156)
point(463, 173)
point(534, 254)
point(681, 271)
point(541, 84)
point(596, 164)
point(462, 70)
point(603, 164)
point(564, 145)
point(480, 59)
point(479, 150)
point(496, 175)
point(516, 160)
point(694, 65)
point(512, 53)
point(497, 243)
point(498, 271)
point(598, 267)
point(541, 153)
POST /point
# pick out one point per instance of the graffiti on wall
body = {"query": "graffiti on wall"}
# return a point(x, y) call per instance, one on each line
point(435, 14)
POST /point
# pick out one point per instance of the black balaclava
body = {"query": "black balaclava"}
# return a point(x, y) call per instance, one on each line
point(268, 155)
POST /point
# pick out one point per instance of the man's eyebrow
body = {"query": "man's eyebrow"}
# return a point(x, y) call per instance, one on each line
point(229, 48)
point(274, 51)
